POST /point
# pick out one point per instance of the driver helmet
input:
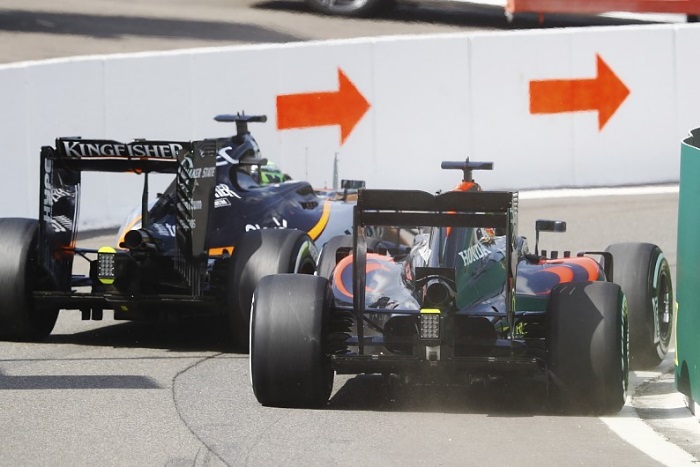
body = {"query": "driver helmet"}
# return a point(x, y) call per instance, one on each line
point(241, 148)
point(248, 155)
point(269, 174)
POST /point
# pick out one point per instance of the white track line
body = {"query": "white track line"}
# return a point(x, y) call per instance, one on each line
point(628, 426)
point(635, 431)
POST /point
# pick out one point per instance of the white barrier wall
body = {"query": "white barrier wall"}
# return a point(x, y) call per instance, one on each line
point(431, 98)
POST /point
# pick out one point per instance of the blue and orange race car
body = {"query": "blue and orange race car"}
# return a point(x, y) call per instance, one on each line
point(227, 219)
point(440, 288)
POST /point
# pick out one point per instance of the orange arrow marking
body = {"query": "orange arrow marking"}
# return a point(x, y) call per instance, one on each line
point(604, 93)
point(344, 107)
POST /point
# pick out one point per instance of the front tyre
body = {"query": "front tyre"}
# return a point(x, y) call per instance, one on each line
point(289, 361)
point(20, 318)
point(587, 347)
point(641, 269)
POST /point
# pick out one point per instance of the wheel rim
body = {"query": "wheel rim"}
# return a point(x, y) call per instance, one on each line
point(625, 344)
point(343, 5)
point(305, 262)
point(663, 310)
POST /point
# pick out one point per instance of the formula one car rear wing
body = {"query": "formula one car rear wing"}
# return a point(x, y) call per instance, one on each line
point(60, 182)
point(418, 208)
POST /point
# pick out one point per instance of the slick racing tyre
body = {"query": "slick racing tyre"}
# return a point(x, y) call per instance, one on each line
point(258, 254)
point(20, 318)
point(641, 269)
point(351, 8)
point(587, 349)
point(289, 362)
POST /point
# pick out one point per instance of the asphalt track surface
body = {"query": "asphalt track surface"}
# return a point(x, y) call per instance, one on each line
point(100, 393)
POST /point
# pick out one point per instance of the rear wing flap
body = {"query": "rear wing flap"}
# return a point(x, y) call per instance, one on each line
point(453, 208)
point(113, 156)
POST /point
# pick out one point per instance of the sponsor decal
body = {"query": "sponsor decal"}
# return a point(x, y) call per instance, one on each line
point(187, 224)
point(165, 230)
point(87, 148)
point(193, 205)
point(224, 191)
point(202, 172)
point(48, 198)
point(51, 198)
point(60, 193)
point(221, 203)
point(278, 225)
point(61, 223)
point(473, 253)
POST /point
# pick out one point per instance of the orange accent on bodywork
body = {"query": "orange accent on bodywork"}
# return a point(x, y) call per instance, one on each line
point(589, 264)
point(338, 275)
point(565, 274)
point(373, 267)
point(221, 250)
point(463, 186)
point(322, 222)
point(346, 262)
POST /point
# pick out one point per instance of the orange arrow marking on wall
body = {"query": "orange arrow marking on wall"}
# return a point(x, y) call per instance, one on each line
point(604, 93)
point(344, 107)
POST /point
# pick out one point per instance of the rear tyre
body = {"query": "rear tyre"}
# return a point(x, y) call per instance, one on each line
point(289, 361)
point(258, 254)
point(641, 269)
point(587, 347)
point(351, 8)
point(20, 318)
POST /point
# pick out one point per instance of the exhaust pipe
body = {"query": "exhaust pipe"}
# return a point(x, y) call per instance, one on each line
point(138, 240)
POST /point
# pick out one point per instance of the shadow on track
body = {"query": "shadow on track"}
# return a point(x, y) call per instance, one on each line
point(502, 399)
point(196, 335)
point(44, 382)
point(111, 27)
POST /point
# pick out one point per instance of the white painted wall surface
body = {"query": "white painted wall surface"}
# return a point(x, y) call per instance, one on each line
point(436, 98)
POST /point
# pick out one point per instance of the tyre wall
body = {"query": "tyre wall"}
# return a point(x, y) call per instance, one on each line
point(552, 108)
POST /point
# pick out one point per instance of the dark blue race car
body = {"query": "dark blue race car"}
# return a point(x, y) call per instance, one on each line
point(228, 218)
